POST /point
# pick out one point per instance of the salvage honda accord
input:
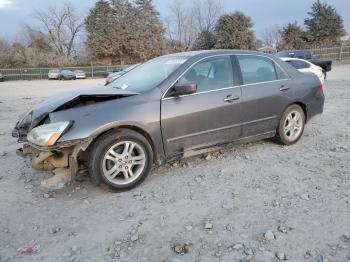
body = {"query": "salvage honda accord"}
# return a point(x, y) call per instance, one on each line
point(165, 108)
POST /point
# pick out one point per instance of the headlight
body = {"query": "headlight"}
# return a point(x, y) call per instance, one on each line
point(47, 135)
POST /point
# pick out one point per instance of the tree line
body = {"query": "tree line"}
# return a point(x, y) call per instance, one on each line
point(131, 31)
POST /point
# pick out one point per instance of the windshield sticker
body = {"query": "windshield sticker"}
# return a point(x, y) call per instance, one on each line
point(124, 86)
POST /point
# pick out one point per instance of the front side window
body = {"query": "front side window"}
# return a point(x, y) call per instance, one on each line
point(210, 74)
point(256, 69)
point(148, 75)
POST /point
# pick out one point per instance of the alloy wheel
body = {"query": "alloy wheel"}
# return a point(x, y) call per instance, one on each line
point(293, 126)
point(123, 162)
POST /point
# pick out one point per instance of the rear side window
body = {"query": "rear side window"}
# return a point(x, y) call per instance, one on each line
point(257, 69)
point(280, 73)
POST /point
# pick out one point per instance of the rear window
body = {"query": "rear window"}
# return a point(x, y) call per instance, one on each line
point(298, 64)
point(54, 71)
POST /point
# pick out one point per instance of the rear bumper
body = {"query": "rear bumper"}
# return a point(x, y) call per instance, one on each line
point(315, 106)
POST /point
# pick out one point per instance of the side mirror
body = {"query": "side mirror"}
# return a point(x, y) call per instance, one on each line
point(184, 89)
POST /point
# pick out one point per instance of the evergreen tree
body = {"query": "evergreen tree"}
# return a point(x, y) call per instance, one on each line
point(99, 25)
point(324, 25)
point(293, 37)
point(234, 31)
point(150, 30)
point(205, 40)
point(121, 32)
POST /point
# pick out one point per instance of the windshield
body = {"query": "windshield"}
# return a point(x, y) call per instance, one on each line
point(148, 75)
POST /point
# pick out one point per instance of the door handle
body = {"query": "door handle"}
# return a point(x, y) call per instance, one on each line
point(284, 88)
point(230, 98)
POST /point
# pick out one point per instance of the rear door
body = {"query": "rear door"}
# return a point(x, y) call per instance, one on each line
point(266, 91)
point(210, 116)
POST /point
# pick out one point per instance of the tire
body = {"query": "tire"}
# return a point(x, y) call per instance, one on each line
point(107, 154)
point(288, 131)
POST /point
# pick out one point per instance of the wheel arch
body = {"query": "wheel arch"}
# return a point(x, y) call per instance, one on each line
point(299, 103)
point(141, 131)
point(303, 106)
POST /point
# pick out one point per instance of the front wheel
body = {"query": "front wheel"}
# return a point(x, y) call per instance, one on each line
point(291, 125)
point(120, 159)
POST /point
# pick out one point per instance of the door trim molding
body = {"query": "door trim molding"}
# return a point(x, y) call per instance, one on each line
point(198, 93)
point(219, 129)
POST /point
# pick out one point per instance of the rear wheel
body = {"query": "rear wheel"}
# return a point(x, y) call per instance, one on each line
point(120, 159)
point(291, 125)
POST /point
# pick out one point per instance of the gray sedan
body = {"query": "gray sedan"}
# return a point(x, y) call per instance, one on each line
point(165, 108)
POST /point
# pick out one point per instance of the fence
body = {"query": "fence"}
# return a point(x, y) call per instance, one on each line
point(334, 53)
point(42, 73)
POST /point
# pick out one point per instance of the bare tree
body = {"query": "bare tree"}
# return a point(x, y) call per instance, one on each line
point(180, 26)
point(187, 22)
point(62, 26)
point(272, 36)
point(206, 13)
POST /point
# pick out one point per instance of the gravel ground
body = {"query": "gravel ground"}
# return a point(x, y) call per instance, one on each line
point(254, 202)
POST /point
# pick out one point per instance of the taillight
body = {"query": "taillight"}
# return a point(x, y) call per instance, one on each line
point(320, 88)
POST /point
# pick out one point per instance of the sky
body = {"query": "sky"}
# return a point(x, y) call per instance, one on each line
point(264, 13)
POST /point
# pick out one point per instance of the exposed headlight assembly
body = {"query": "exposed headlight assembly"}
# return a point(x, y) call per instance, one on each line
point(47, 135)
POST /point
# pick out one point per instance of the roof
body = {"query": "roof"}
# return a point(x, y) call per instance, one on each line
point(212, 52)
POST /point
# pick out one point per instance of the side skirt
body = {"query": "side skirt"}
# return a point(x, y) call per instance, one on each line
point(206, 149)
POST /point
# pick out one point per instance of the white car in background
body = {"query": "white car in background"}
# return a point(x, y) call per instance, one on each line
point(54, 74)
point(306, 67)
point(79, 74)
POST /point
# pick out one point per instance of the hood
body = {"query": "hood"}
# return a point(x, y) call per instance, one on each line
point(66, 100)
point(54, 102)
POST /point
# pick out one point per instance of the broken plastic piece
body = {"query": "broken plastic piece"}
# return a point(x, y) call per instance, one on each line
point(30, 248)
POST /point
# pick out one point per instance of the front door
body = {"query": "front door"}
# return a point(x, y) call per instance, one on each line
point(210, 116)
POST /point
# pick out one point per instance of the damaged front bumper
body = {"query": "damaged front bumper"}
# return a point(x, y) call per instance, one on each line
point(65, 160)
